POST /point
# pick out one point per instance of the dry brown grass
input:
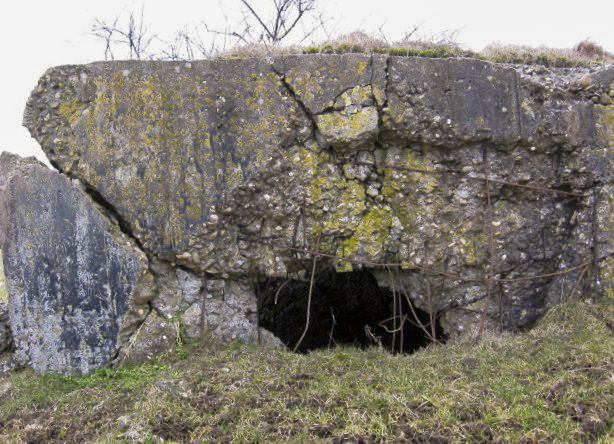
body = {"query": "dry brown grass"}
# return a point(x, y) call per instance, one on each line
point(585, 53)
point(355, 42)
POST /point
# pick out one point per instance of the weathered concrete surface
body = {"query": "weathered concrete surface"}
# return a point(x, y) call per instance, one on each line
point(83, 295)
point(6, 338)
point(451, 102)
point(374, 158)
point(8, 167)
point(70, 281)
point(164, 143)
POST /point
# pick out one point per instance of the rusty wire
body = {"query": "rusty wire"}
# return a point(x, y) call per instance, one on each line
point(409, 265)
point(491, 262)
point(462, 176)
point(489, 280)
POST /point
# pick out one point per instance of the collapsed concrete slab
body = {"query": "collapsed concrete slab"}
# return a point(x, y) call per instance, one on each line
point(224, 173)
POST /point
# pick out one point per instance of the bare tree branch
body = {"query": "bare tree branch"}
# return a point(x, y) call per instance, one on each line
point(134, 35)
point(270, 27)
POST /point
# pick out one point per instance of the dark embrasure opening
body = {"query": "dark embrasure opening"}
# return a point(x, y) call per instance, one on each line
point(346, 308)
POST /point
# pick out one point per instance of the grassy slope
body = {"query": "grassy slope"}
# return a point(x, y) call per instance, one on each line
point(553, 384)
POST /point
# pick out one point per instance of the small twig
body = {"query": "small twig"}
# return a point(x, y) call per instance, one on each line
point(500, 309)
point(428, 293)
point(313, 272)
point(578, 282)
point(394, 310)
point(403, 317)
point(281, 287)
point(413, 311)
point(203, 311)
point(332, 327)
point(583, 369)
point(382, 324)
point(372, 337)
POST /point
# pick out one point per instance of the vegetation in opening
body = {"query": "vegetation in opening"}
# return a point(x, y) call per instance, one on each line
point(346, 309)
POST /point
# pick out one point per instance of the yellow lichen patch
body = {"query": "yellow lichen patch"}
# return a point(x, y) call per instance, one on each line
point(349, 130)
point(473, 248)
point(308, 161)
point(138, 121)
point(356, 96)
point(71, 111)
point(402, 188)
point(337, 204)
point(371, 236)
point(361, 66)
point(605, 127)
point(306, 86)
point(340, 206)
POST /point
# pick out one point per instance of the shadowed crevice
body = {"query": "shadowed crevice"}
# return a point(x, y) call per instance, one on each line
point(346, 309)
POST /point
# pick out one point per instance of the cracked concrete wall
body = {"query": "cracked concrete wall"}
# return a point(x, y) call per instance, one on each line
point(209, 165)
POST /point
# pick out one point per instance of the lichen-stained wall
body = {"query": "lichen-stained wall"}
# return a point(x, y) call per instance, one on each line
point(165, 142)
point(372, 157)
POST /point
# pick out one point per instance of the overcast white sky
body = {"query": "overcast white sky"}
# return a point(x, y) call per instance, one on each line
point(35, 35)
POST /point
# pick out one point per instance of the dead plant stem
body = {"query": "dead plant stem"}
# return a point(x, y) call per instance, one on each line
point(313, 272)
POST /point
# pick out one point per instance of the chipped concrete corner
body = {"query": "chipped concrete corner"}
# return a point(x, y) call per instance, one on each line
point(181, 185)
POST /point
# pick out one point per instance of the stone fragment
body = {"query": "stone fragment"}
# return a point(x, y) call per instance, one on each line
point(318, 81)
point(154, 336)
point(349, 132)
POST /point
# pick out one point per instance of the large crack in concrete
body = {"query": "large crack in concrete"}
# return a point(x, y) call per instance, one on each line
point(316, 134)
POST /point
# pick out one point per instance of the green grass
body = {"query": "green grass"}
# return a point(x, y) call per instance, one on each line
point(552, 384)
point(3, 291)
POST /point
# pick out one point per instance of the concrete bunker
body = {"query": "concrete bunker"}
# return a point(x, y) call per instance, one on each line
point(347, 308)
